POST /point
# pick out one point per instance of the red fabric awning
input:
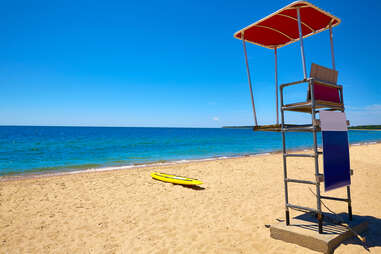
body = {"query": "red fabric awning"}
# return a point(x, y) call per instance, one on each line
point(281, 28)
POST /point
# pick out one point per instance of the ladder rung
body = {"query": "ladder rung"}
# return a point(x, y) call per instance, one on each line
point(298, 128)
point(299, 181)
point(288, 107)
point(317, 122)
point(321, 176)
point(296, 207)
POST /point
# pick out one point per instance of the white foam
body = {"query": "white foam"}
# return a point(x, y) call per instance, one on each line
point(206, 159)
point(144, 165)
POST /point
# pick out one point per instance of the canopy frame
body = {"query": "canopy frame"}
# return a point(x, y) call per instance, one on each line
point(297, 6)
point(249, 80)
point(334, 21)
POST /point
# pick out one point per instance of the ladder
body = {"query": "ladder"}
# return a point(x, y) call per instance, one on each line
point(312, 106)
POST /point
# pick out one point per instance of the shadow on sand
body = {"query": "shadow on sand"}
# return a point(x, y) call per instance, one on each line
point(193, 187)
point(372, 234)
point(330, 226)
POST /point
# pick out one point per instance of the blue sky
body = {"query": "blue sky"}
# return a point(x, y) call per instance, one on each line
point(169, 63)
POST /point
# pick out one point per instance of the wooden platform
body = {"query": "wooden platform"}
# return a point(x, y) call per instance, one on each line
point(288, 127)
point(303, 231)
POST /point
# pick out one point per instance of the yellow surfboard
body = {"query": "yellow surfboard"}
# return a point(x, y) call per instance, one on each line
point(175, 179)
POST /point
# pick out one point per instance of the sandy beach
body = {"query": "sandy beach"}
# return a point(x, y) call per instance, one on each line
point(126, 211)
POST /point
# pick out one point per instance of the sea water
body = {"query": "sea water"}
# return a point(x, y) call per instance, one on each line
point(36, 149)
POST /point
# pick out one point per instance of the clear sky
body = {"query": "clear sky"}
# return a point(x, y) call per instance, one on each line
point(169, 63)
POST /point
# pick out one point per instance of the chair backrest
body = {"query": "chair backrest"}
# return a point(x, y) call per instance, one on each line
point(321, 91)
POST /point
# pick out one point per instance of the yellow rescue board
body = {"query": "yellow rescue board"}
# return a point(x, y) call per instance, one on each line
point(175, 179)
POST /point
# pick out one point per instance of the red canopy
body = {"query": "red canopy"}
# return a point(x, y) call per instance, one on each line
point(281, 28)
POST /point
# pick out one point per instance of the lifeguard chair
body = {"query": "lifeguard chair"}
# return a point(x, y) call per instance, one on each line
point(290, 24)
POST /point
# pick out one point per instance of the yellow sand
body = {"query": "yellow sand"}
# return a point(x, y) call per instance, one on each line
point(128, 212)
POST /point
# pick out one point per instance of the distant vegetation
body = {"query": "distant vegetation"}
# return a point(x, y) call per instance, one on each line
point(358, 127)
point(366, 127)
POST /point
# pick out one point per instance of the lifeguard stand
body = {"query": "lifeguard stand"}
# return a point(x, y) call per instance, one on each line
point(290, 24)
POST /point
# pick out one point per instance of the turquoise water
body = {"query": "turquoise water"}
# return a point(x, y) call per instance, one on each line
point(26, 149)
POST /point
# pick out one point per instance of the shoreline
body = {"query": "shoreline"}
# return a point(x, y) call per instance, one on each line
point(21, 176)
point(36, 175)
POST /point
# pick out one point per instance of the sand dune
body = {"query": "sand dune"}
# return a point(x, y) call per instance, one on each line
point(128, 212)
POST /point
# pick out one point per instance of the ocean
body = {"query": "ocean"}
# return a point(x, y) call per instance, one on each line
point(37, 149)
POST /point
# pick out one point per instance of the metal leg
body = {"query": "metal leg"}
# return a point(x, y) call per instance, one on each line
point(332, 53)
point(287, 217)
point(249, 79)
point(285, 173)
point(301, 43)
point(320, 221)
point(318, 202)
point(276, 86)
point(349, 203)
point(284, 161)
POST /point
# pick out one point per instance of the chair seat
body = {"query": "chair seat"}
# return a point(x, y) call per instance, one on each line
point(287, 127)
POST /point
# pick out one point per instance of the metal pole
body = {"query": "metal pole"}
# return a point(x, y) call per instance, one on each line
point(332, 52)
point(348, 187)
point(249, 78)
point(349, 202)
point(301, 43)
point(313, 112)
point(276, 85)
point(284, 160)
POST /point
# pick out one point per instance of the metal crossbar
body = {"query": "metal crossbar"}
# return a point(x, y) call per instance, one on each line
point(334, 198)
point(299, 181)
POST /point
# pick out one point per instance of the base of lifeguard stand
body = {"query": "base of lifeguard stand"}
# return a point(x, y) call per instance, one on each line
point(303, 231)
